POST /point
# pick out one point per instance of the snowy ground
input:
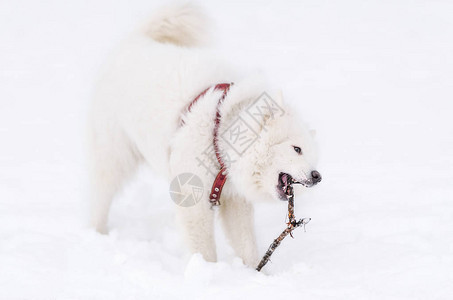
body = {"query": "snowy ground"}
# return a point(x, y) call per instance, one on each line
point(373, 77)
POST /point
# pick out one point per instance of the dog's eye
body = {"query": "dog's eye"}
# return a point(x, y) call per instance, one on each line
point(297, 149)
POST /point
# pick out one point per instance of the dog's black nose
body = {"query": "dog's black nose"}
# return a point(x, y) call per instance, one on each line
point(316, 176)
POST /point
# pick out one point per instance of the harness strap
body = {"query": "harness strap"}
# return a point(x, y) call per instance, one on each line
point(219, 182)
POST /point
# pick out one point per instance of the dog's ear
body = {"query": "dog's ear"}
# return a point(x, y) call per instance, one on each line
point(267, 108)
point(313, 133)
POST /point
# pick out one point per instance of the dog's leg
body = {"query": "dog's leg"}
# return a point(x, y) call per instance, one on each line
point(113, 161)
point(197, 224)
point(237, 220)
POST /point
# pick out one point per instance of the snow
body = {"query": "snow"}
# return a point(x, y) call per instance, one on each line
point(374, 79)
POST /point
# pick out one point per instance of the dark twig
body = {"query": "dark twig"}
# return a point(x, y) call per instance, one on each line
point(291, 225)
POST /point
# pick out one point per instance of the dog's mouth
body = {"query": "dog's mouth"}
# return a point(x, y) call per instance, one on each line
point(285, 182)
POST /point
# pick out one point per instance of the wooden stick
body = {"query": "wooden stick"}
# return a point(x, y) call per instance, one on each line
point(291, 225)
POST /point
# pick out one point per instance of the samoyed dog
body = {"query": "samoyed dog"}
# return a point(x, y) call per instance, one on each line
point(165, 101)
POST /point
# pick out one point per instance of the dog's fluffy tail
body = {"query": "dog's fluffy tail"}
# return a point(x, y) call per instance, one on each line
point(182, 25)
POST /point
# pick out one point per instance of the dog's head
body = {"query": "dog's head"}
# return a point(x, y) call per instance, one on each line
point(293, 157)
point(284, 154)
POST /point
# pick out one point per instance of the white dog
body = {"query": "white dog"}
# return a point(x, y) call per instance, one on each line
point(141, 114)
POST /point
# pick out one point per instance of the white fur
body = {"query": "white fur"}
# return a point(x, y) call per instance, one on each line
point(178, 24)
point(143, 93)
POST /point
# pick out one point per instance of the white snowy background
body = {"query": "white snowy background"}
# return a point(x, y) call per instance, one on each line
point(375, 78)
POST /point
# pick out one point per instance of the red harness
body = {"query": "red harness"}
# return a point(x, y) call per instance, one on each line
point(219, 182)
